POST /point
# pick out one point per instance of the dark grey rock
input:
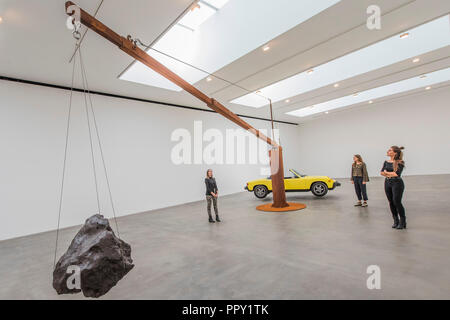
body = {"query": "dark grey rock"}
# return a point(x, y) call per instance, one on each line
point(102, 259)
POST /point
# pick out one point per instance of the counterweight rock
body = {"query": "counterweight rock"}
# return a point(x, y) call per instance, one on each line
point(96, 256)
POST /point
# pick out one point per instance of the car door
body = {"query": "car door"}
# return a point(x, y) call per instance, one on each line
point(296, 182)
point(293, 182)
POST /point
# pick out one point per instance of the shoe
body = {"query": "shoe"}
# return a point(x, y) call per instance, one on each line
point(396, 221)
point(217, 219)
point(364, 204)
point(211, 220)
point(401, 224)
point(358, 204)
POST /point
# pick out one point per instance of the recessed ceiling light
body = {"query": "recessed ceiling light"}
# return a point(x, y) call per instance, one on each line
point(287, 100)
point(416, 60)
point(310, 71)
point(208, 79)
point(404, 35)
point(336, 85)
point(326, 112)
point(370, 101)
point(258, 91)
point(1, 19)
point(195, 6)
point(375, 93)
point(266, 48)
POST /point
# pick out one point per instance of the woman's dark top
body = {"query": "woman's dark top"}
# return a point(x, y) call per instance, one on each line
point(211, 186)
point(389, 167)
point(360, 170)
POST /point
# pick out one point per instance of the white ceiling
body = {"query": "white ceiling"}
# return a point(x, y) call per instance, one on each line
point(36, 45)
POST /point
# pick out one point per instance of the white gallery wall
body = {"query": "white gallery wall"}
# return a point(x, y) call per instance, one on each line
point(420, 122)
point(136, 141)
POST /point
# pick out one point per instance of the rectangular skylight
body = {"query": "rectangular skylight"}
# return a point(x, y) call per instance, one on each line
point(422, 39)
point(219, 32)
point(423, 81)
point(178, 39)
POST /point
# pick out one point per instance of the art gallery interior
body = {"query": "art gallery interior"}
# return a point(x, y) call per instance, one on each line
point(87, 129)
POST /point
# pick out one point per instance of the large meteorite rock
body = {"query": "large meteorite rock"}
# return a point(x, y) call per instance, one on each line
point(96, 256)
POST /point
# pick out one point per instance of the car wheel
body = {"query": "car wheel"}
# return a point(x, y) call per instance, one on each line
point(260, 191)
point(319, 189)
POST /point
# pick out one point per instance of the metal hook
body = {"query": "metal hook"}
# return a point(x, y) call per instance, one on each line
point(133, 41)
point(76, 29)
point(76, 34)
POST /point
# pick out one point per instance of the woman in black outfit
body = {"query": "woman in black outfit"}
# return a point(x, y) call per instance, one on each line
point(394, 186)
point(359, 179)
point(211, 195)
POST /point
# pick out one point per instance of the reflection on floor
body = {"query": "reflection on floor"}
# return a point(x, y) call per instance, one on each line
point(320, 252)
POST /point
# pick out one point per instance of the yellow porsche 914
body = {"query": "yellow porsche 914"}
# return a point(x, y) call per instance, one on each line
point(318, 185)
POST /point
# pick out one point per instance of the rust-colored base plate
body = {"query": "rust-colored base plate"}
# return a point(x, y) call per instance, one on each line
point(292, 207)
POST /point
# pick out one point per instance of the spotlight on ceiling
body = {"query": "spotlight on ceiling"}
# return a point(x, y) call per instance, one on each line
point(336, 85)
point(266, 48)
point(370, 102)
point(1, 19)
point(287, 100)
point(427, 88)
point(195, 6)
point(208, 79)
point(310, 71)
point(416, 60)
point(404, 35)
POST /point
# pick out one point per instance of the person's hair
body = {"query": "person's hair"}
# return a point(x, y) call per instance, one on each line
point(207, 173)
point(398, 157)
point(357, 156)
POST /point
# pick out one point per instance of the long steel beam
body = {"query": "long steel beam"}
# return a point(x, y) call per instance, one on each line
point(129, 47)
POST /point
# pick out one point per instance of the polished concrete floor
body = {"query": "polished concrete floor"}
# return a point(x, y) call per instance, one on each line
point(321, 252)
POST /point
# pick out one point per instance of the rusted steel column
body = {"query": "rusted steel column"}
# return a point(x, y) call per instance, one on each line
point(277, 175)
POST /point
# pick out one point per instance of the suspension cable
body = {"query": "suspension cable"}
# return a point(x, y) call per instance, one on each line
point(84, 74)
point(138, 41)
point(64, 162)
point(90, 135)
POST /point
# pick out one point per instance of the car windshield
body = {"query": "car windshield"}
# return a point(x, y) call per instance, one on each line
point(295, 172)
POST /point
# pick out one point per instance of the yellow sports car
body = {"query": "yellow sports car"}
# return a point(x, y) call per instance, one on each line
point(318, 185)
